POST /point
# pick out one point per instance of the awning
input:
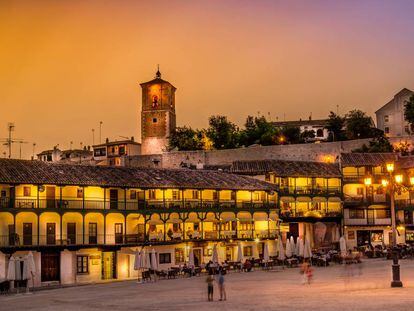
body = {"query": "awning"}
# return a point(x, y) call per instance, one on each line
point(303, 199)
point(287, 199)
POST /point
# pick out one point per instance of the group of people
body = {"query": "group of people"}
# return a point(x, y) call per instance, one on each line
point(221, 285)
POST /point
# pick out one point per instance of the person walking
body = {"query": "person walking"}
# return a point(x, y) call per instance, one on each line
point(210, 287)
point(222, 287)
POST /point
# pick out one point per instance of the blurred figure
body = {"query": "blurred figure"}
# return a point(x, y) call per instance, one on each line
point(222, 287)
point(210, 287)
point(307, 272)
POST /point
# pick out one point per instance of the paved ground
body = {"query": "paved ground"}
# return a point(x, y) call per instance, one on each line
point(333, 288)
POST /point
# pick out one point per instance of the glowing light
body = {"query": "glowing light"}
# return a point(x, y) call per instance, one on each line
point(368, 181)
point(398, 179)
point(411, 180)
point(257, 240)
point(384, 182)
point(390, 167)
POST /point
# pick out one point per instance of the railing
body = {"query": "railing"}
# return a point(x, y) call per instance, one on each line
point(293, 213)
point(308, 190)
point(77, 204)
point(404, 203)
point(360, 177)
point(359, 199)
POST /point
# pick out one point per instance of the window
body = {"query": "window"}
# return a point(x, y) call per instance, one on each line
point(386, 130)
point(386, 118)
point(27, 191)
point(407, 129)
point(132, 195)
point(82, 266)
point(79, 193)
point(380, 190)
point(176, 194)
point(383, 213)
point(351, 235)
point(356, 214)
point(319, 133)
point(179, 255)
point(122, 150)
point(164, 258)
point(99, 152)
point(154, 120)
point(247, 251)
point(196, 194)
point(151, 194)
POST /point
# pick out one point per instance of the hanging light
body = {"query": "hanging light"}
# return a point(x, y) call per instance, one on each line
point(399, 178)
point(412, 180)
point(368, 181)
point(390, 167)
point(384, 182)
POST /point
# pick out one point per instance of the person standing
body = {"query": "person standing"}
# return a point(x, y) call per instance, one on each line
point(210, 287)
point(222, 287)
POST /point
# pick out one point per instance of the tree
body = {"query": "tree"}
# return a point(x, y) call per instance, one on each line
point(409, 111)
point(291, 134)
point(257, 130)
point(335, 127)
point(379, 143)
point(223, 133)
point(358, 125)
point(185, 138)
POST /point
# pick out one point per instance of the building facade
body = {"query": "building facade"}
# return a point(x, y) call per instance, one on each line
point(113, 153)
point(318, 127)
point(390, 117)
point(84, 223)
point(158, 118)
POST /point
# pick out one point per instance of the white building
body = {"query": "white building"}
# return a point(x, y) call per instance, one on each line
point(317, 126)
point(390, 117)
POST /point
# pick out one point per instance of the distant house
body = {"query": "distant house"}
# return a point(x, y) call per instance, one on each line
point(111, 152)
point(318, 126)
point(65, 156)
point(390, 117)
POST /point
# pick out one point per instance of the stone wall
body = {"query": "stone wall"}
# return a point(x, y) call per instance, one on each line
point(321, 152)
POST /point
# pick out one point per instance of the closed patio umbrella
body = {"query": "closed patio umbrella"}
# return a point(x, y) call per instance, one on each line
point(266, 253)
point(281, 255)
point(11, 270)
point(292, 245)
point(137, 261)
point(342, 246)
point(307, 251)
point(214, 257)
point(288, 249)
point(191, 258)
point(301, 248)
point(147, 261)
point(18, 268)
point(239, 253)
point(154, 261)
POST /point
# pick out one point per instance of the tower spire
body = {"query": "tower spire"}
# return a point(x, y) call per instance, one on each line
point(158, 73)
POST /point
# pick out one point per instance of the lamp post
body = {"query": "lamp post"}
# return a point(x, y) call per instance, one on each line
point(393, 182)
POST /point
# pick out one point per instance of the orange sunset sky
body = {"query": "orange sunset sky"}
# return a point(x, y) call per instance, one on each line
point(66, 65)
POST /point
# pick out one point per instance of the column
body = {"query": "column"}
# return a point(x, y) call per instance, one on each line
point(61, 227)
point(104, 236)
point(83, 228)
point(38, 228)
point(125, 199)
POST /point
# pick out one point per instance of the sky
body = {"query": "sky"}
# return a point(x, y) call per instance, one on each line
point(67, 65)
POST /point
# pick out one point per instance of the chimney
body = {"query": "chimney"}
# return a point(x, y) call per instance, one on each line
point(107, 140)
point(132, 138)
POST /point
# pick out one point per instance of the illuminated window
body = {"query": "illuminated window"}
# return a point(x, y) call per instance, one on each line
point(179, 255)
point(132, 195)
point(82, 266)
point(27, 191)
point(176, 194)
point(151, 194)
point(79, 193)
point(247, 251)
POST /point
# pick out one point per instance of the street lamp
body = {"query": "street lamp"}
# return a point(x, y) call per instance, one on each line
point(393, 182)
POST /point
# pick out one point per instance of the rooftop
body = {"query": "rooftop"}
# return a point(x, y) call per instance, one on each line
point(284, 168)
point(320, 122)
point(14, 171)
point(367, 159)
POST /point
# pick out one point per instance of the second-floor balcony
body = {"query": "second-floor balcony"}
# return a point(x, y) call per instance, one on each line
point(367, 216)
point(99, 204)
point(350, 200)
point(311, 212)
point(309, 190)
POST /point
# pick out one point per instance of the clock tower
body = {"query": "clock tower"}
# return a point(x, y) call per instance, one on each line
point(157, 114)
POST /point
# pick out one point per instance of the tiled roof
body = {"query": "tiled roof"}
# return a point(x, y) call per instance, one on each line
point(322, 122)
point(406, 162)
point(38, 172)
point(367, 159)
point(287, 168)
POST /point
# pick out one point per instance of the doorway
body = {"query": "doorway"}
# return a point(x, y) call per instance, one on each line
point(50, 263)
point(71, 232)
point(119, 233)
point(229, 253)
point(197, 257)
point(113, 197)
point(50, 233)
point(27, 233)
point(108, 265)
point(50, 197)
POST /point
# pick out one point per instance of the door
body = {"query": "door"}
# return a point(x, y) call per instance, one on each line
point(113, 197)
point(50, 197)
point(293, 230)
point(27, 233)
point(108, 265)
point(229, 253)
point(71, 232)
point(370, 217)
point(119, 233)
point(363, 237)
point(50, 263)
point(197, 256)
point(93, 233)
point(12, 235)
point(50, 233)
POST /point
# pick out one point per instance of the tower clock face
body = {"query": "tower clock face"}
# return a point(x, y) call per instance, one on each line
point(155, 101)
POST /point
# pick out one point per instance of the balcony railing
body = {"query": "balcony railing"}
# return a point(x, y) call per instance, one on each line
point(30, 203)
point(293, 213)
point(17, 240)
point(308, 190)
